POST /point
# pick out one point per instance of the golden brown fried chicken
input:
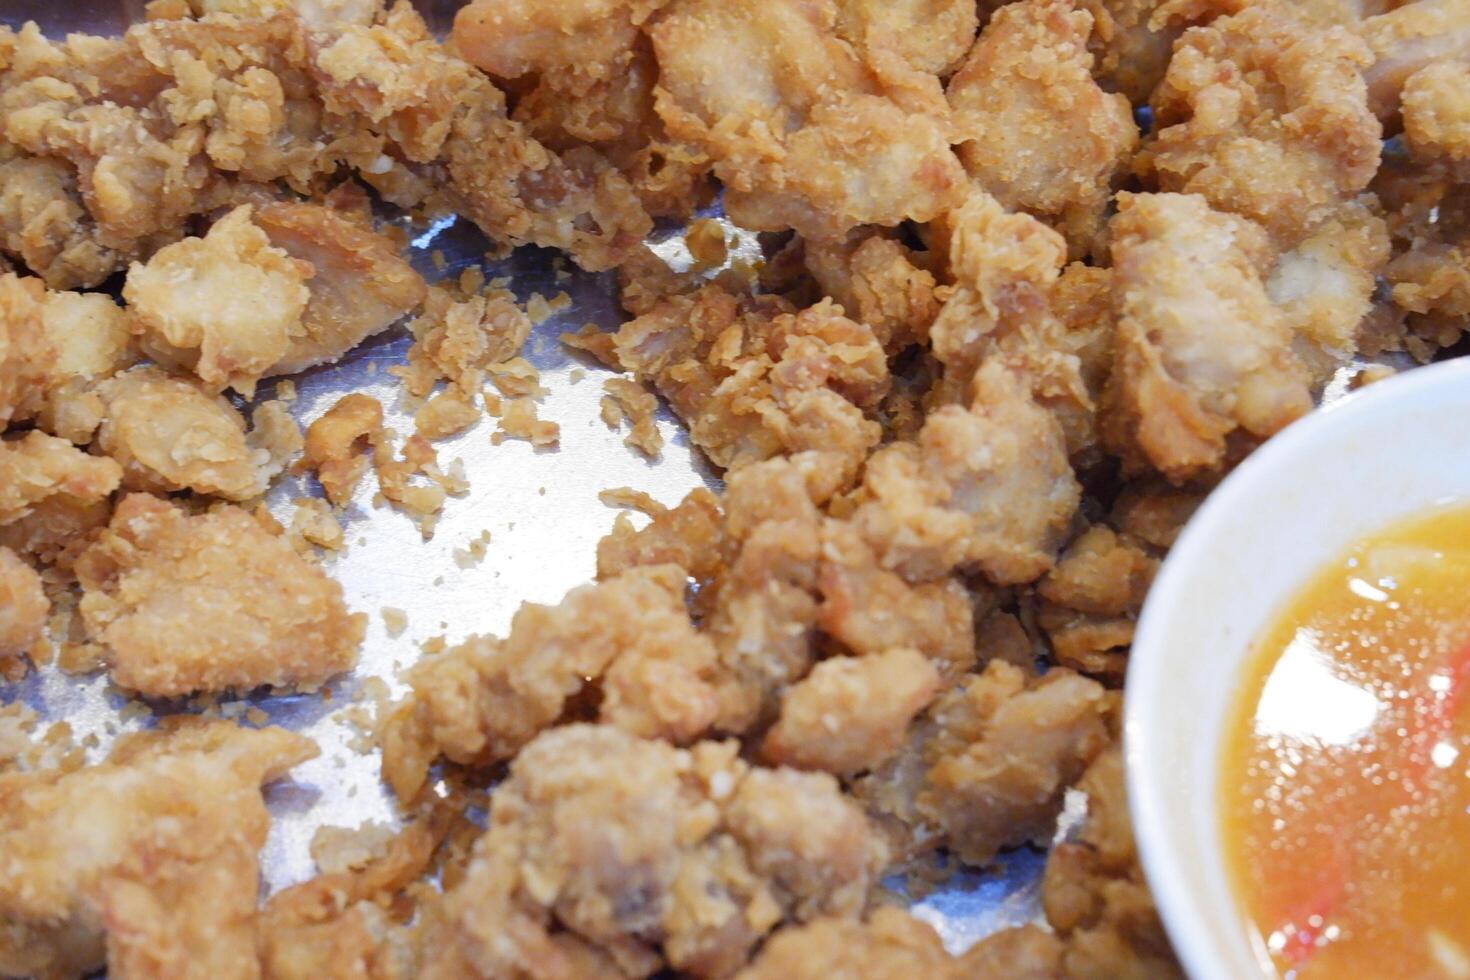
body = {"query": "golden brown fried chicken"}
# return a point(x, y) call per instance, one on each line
point(1325, 285)
point(1200, 350)
point(1133, 39)
point(690, 535)
point(614, 856)
point(166, 883)
point(23, 605)
point(358, 288)
point(26, 358)
point(1407, 39)
point(987, 768)
point(481, 701)
point(850, 714)
point(928, 36)
point(36, 468)
point(1092, 599)
point(170, 435)
point(226, 306)
point(210, 602)
point(92, 340)
point(752, 377)
point(986, 488)
point(1436, 112)
point(1033, 127)
point(891, 945)
point(1266, 116)
point(44, 224)
point(877, 281)
point(583, 74)
point(802, 134)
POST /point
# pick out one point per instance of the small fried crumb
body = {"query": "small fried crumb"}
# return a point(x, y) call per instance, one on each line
point(705, 240)
point(394, 620)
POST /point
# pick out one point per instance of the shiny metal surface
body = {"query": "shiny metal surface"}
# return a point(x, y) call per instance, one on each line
point(542, 511)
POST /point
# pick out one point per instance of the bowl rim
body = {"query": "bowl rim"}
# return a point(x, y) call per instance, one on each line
point(1180, 909)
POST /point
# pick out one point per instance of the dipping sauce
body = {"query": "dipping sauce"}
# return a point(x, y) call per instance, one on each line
point(1346, 769)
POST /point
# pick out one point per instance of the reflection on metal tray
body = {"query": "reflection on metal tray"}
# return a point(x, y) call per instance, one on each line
point(542, 511)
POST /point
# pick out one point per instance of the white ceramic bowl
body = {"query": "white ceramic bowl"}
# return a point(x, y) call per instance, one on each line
point(1395, 448)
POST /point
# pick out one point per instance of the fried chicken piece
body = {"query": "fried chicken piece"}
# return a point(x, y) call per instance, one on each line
point(1325, 286)
point(850, 714)
point(1437, 115)
point(173, 816)
point(44, 224)
point(690, 535)
point(1200, 351)
point(752, 377)
point(1033, 127)
point(226, 306)
point(810, 138)
point(1266, 116)
point(1020, 953)
point(169, 435)
point(1094, 893)
point(35, 468)
point(338, 925)
point(23, 605)
point(987, 767)
point(210, 602)
point(359, 286)
point(1092, 599)
point(929, 36)
point(26, 359)
point(612, 855)
point(481, 701)
point(1407, 39)
point(891, 945)
point(92, 339)
point(1081, 301)
point(871, 610)
point(584, 74)
point(1133, 39)
point(986, 488)
point(877, 281)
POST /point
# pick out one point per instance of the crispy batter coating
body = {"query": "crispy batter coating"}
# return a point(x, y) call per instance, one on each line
point(630, 635)
point(170, 435)
point(358, 288)
point(891, 945)
point(803, 134)
point(986, 488)
point(1034, 129)
point(612, 855)
point(36, 468)
point(44, 224)
point(877, 281)
point(92, 338)
point(1406, 39)
point(23, 605)
point(1436, 113)
point(988, 766)
point(690, 535)
point(1092, 599)
point(210, 602)
point(1200, 348)
point(850, 714)
point(929, 36)
point(173, 823)
point(226, 306)
point(1133, 39)
point(26, 359)
point(1266, 116)
point(752, 377)
point(1325, 286)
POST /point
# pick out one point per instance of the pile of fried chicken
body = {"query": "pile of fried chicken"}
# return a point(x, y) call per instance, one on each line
point(1037, 274)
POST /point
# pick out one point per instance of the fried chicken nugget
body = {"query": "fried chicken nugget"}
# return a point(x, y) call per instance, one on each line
point(479, 702)
point(1201, 350)
point(23, 605)
point(1436, 113)
point(35, 468)
point(802, 135)
point(210, 602)
point(226, 306)
point(1134, 39)
point(1266, 115)
point(986, 488)
point(891, 945)
point(1033, 127)
point(26, 359)
point(166, 885)
point(359, 285)
point(170, 435)
point(1407, 39)
point(612, 855)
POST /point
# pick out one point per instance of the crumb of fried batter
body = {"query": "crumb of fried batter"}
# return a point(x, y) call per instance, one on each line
point(629, 401)
point(395, 620)
point(210, 602)
point(183, 817)
point(474, 552)
point(518, 420)
point(313, 522)
point(705, 239)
